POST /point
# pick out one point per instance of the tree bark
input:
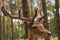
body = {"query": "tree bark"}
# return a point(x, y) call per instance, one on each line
point(3, 21)
point(58, 18)
point(8, 28)
point(4, 38)
point(0, 28)
point(45, 19)
point(0, 23)
point(26, 13)
point(11, 9)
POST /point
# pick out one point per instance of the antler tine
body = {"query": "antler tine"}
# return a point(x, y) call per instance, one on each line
point(35, 14)
point(11, 16)
point(3, 10)
point(32, 21)
point(7, 14)
point(19, 13)
point(43, 16)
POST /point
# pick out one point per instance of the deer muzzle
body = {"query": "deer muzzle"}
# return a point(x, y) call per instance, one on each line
point(49, 33)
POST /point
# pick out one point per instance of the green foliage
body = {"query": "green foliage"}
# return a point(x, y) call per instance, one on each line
point(52, 38)
point(53, 5)
point(14, 6)
point(55, 38)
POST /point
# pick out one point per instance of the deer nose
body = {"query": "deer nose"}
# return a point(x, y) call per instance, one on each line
point(49, 34)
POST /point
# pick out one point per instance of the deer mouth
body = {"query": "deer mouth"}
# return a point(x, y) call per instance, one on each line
point(46, 34)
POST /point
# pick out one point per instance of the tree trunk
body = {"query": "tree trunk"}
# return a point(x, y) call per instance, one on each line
point(4, 38)
point(26, 13)
point(45, 19)
point(0, 23)
point(11, 9)
point(0, 28)
point(18, 4)
point(58, 18)
point(3, 22)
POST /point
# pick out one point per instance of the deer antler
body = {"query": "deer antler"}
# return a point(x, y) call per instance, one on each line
point(38, 25)
point(35, 14)
point(11, 16)
point(32, 21)
point(43, 16)
point(19, 13)
point(19, 17)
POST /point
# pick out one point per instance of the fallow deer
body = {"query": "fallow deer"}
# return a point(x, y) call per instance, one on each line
point(36, 27)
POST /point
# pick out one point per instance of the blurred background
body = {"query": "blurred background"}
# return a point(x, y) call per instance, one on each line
point(13, 29)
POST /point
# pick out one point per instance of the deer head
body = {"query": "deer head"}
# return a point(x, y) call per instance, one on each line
point(36, 26)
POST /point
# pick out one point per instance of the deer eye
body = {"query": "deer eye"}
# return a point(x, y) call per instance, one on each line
point(34, 27)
